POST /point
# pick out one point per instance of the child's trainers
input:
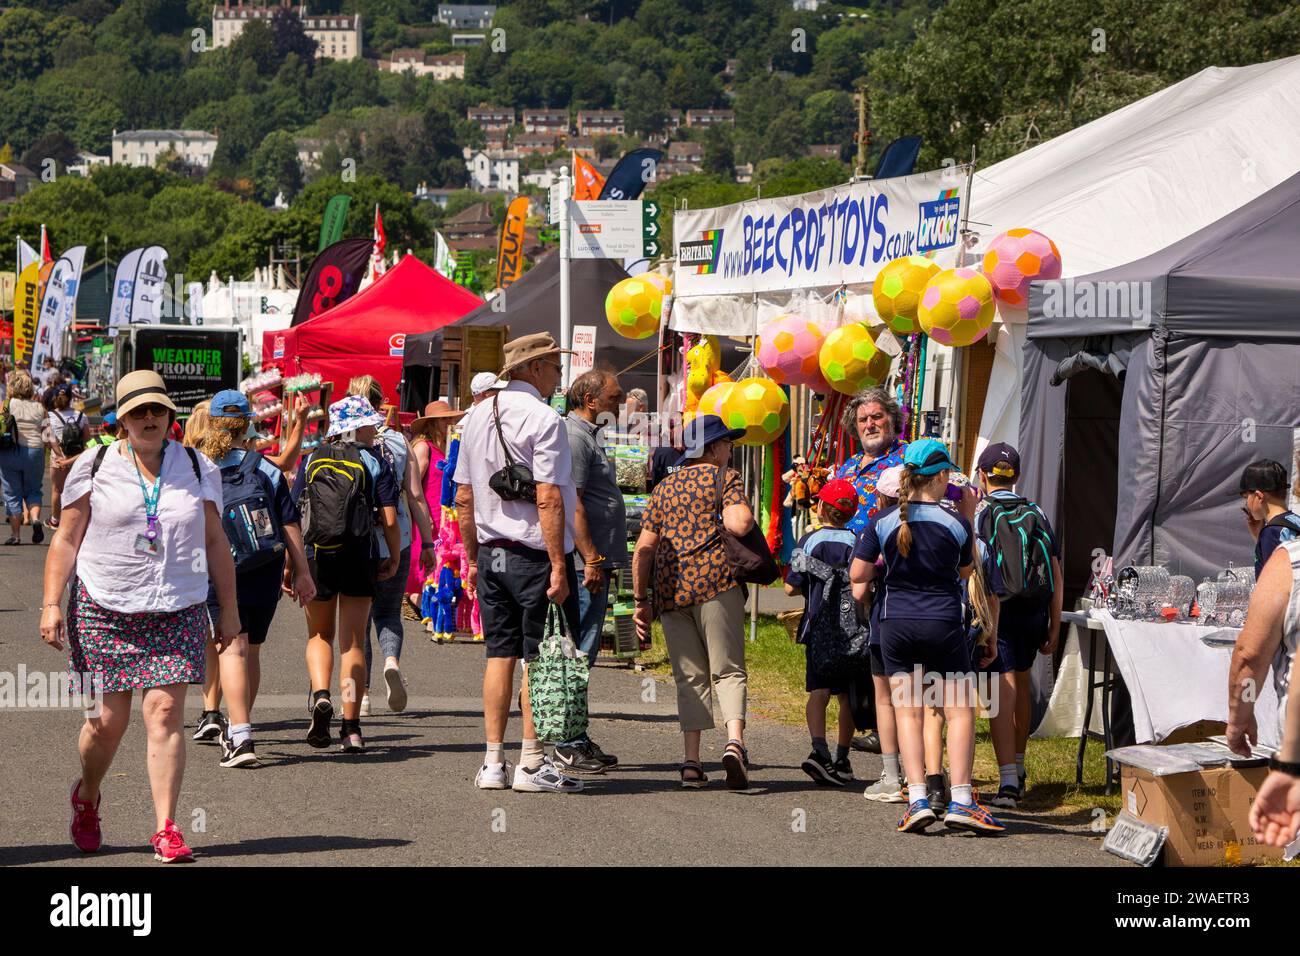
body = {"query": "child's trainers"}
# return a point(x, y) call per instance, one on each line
point(885, 790)
point(971, 816)
point(1007, 797)
point(917, 817)
point(169, 845)
point(844, 769)
point(823, 770)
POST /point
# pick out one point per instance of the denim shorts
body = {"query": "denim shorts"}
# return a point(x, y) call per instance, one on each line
point(23, 472)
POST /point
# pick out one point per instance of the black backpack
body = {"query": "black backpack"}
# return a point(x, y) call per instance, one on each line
point(837, 638)
point(335, 507)
point(248, 515)
point(71, 443)
point(8, 429)
point(1017, 536)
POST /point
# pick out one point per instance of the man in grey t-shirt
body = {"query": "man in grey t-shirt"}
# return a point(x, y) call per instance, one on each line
point(600, 519)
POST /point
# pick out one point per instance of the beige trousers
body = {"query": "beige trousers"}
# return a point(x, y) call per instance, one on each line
point(706, 645)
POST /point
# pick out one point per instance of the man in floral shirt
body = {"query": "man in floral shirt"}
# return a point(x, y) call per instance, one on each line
point(874, 416)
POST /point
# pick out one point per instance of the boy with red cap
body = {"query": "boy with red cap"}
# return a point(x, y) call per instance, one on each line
point(832, 545)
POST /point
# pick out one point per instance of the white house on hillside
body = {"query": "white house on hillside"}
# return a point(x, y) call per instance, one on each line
point(492, 170)
point(143, 147)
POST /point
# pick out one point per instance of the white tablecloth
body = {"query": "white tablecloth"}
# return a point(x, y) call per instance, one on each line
point(1172, 676)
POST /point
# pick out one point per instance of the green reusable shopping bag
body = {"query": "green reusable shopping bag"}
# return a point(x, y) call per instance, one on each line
point(557, 685)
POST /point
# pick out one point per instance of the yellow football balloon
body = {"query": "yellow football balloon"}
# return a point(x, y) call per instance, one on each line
point(757, 405)
point(634, 307)
point(850, 360)
point(896, 293)
point(957, 307)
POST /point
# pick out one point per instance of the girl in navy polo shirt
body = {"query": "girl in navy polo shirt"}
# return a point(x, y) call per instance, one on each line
point(928, 551)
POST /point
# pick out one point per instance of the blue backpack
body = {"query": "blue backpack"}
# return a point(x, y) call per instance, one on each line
point(248, 515)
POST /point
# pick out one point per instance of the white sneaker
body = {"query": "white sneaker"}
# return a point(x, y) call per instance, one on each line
point(365, 705)
point(493, 776)
point(545, 779)
point(882, 791)
point(396, 689)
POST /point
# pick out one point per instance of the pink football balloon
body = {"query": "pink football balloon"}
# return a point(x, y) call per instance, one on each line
point(787, 349)
point(1014, 259)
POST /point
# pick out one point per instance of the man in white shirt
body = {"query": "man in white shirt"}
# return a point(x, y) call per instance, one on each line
point(519, 545)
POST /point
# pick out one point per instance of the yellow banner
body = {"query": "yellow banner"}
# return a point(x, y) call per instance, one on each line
point(27, 309)
point(510, 252)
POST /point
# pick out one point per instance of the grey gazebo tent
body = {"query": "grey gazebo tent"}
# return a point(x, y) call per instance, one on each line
point(1148, 387)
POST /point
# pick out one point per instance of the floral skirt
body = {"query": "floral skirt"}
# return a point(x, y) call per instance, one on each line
point(136, 651)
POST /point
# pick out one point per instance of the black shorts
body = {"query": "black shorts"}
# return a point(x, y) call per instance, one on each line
point(1022, 630)
point(512, 584)
point(254, 620)
point(937, 647)
point(347, 571)
point(877, 662)
point(813, 681)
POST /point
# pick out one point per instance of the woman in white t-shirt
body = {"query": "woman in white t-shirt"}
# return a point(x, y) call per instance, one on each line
point(141, 526)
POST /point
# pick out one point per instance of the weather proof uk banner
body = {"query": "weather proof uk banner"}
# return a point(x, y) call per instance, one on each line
point(823, 239)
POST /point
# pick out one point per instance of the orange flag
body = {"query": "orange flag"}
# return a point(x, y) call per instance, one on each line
point(587, 183)
point(510, 251)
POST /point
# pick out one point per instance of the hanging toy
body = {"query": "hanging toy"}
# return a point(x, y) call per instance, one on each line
point(704, 370)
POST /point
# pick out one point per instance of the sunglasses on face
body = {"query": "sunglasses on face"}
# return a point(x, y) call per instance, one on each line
point(152, 410)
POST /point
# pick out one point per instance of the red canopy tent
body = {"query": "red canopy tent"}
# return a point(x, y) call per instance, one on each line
point(366, 333)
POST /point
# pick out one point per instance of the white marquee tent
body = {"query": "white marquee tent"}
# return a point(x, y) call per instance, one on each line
point(1135, 181)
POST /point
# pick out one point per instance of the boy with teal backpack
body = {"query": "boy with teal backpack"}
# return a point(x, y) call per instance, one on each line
point(1025, 568)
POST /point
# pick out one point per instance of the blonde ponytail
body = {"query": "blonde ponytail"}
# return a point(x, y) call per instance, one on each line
point(978, 593)
point(905, 489)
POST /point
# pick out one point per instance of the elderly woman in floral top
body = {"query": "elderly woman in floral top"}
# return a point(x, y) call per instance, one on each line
point(874, 416)
point(696, 597)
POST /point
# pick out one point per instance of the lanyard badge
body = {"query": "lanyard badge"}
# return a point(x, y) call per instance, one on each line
point(147, 543)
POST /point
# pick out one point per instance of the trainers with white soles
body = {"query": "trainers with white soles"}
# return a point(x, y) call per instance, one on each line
point(493, 776)
point(545, 779)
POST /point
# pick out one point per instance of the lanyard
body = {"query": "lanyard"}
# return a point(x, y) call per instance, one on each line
point(150, 498)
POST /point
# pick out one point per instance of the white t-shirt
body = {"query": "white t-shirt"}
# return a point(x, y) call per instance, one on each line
point(538, 438)
point(115, 574)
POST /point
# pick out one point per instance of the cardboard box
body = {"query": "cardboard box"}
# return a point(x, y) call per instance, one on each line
point(1206, 811)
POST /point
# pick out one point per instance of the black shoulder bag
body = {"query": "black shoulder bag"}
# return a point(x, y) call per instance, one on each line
point(515, 481)
point(751, 560)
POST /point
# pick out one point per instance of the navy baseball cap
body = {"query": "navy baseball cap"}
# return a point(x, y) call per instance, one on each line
point(1000, 453)
point(229, 403)
point(701, 432)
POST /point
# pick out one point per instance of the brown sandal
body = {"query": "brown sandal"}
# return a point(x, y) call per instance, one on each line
point(735, 761)
point(697, 782)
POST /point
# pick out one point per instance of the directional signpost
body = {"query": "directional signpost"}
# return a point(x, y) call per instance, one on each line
point(598, 229)
point(650, 228)
point(614, 229)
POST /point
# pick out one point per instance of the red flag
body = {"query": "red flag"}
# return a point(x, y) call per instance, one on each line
point(45, 246)
point(377, 258)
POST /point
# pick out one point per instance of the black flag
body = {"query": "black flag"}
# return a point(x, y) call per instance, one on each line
point(333, 277)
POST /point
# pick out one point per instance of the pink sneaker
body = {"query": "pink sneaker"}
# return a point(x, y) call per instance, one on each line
point(169, 846)
point(85, 822)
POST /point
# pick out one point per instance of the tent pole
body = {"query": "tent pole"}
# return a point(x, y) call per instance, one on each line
point(566, 331)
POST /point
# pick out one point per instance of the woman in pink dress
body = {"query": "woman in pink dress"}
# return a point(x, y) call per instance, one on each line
point(428, 441)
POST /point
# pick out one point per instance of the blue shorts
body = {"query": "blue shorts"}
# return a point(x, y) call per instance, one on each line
point(813, 681)
point(1022, 631)
point(938, 647)
point(999, 664)
point(23, 471)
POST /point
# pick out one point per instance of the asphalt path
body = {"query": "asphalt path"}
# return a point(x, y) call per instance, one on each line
point(410, 799)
